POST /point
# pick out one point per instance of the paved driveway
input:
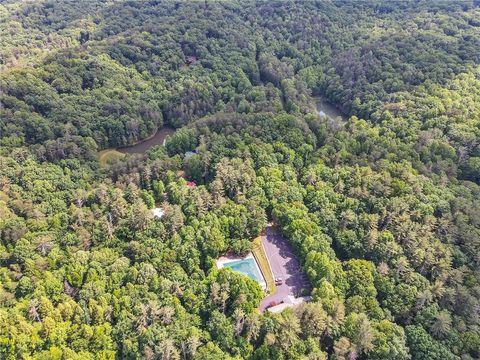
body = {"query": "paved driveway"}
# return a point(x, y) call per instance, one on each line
point(284, 264)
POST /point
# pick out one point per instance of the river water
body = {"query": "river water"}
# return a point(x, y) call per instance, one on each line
point(142, 146)
point(324, 109)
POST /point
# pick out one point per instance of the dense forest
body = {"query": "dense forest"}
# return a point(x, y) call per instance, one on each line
point(382, 209)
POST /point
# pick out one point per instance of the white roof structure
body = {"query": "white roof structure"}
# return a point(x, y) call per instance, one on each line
point(158, 212)
point(289, 301)
point(189, 154)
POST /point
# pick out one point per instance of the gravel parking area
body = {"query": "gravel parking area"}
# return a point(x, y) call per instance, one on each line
point(284, 264)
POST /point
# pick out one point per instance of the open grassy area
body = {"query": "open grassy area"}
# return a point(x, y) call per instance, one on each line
point(107, 155)
point(261, 257)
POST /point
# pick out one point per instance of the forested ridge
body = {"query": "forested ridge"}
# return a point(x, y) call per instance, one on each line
point(382, 209)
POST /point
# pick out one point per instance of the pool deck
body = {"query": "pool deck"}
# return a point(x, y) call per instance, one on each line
point(284, 264)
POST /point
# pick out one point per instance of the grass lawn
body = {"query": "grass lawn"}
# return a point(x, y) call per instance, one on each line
point(261, 257)
point(107, 155)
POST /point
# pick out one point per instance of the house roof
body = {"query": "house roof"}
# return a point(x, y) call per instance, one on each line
point(289, 301)
point(158, 212)
point(189, 154)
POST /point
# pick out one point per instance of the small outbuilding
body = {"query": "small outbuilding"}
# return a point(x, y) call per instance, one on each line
point(158, 212)
point(189, 154)
point(190, 60)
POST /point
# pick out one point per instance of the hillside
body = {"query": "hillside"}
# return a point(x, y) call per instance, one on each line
point(381, 208)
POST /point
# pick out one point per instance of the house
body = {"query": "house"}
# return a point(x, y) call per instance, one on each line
point(158, 212)
point(190, 60)
point(289, 301)
point(189, 154)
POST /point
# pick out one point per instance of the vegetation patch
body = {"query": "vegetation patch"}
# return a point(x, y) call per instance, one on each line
point(262, 261)
point(109, 155)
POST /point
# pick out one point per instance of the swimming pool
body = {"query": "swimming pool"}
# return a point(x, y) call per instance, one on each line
point(247, 266)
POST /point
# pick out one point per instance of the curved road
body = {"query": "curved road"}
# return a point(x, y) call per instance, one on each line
point(284, 264)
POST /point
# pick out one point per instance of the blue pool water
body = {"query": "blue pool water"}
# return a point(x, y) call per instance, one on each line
point(247, 267)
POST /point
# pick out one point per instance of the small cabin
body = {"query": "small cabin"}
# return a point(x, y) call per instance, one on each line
point(190, 60)
point(158, 212)
point(189, 154)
